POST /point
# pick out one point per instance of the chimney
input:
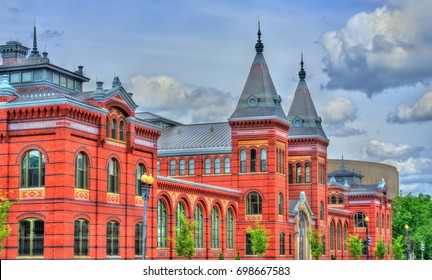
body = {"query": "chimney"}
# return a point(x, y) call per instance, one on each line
point(99, 93)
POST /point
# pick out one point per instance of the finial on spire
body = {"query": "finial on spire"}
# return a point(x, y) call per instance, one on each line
point(342, 167)
point(34, 52)
point(302, 73)
point(259, 46)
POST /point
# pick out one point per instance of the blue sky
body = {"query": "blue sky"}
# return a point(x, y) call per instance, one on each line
point(367, 62)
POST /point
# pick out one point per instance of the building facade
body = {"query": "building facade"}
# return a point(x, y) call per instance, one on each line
point(73, 159)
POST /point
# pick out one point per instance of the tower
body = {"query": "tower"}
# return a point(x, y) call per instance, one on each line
point(307, 163)
point(259, 133)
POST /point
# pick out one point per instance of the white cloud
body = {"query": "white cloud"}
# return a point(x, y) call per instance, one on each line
point(412, 166)
point(389, 151)
point(181, 102)
point(336, 114)
point(418, 112)
point(387, 48)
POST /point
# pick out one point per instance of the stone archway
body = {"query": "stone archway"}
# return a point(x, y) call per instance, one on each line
point(302, 229)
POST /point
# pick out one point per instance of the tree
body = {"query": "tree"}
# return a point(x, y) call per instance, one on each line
point(315, 241)
point(398, 248)
point(184, 237)
point(259, 239)
point(5, 229)
point(416, 212)
point(355, 245)
point(380, 250)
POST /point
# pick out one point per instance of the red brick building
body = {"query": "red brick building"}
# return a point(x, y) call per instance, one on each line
point(73, 160)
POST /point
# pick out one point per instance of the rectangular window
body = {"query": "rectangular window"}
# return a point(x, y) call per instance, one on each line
point(15, 78)
point(63, 81)
point(27, 77)
point(70, 83)
point(56, 79)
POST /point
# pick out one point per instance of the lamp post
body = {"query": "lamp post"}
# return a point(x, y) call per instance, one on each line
point(146, 183)
point(367, 236)
point(406, 242)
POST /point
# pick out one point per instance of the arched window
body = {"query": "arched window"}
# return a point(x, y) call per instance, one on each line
point(298, 173)
point(282, 243)
point(263, 160)
point(227, 165)
point(113, 176)
point(307, 172)
point(81, 237)
point(114, 129)
point(242, 161)
point(341, 199)
point(180, 209)
point(122, 131)
point(253, 204)
point(191, 167)
point(345, 238)
point(33, 169)
point(338, 236)
point(230, 230)
point(112, 238)
point(82, 171)
point(217, 166)
point(253, 160)
point(280, 204)
point(172, 167)
point(199, 230)
point(290, 174)
point(158, 168)
point(248, 244)
point(215, 228)
point(321, 211)
point(323, 240)
point(31, 237)
point(107, 126)
point(331, 236)
point(140, 170)
point(207, 166)
point(388, 222)
point(382, 221)
point(162, 224)
point(138, 239)
point(377, 220)
point(333, 199)
point(182, 166)
point(359, 219)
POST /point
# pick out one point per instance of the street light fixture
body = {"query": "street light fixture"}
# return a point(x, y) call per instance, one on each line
point(367, 236)
point(406, 242)
point(146, 183)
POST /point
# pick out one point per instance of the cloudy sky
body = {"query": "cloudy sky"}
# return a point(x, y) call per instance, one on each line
point(368, 62)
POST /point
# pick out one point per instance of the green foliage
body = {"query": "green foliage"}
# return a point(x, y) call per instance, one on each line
point(259, 239)
point(184, 237)
point(315, 241)
point(398, 248)
point(380, 250)
point(355, 245)
point(5, 229)
point(221, 256)
point(237, 257)
point(416, 212)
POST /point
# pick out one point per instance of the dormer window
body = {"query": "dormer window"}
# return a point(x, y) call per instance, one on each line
point(253, 101)
point(298, 122)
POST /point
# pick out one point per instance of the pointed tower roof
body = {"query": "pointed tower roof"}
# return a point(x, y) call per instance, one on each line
point(259, 97)
point(302, 114)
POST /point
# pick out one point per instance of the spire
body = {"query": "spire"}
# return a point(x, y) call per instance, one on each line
point(259, 46)
point(259, 97)
point(342, 167)
point(302, 73)
point(34, 53)
point(302, 114)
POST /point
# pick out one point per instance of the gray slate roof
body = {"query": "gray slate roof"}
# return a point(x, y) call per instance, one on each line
point(204, 138)
point(259, 97)
point(302, 114)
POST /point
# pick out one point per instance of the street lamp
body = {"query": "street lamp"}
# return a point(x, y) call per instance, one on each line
point(367, 236)
point(406, 241)
point(146, 183)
